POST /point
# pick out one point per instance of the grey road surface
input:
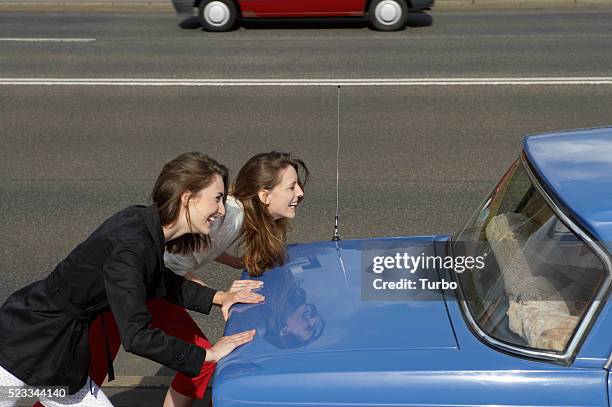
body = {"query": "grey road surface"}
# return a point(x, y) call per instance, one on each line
point(514, 43)
point(413, 160)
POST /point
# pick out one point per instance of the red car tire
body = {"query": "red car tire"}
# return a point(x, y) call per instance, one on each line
point(388, 15)
point(218, 15)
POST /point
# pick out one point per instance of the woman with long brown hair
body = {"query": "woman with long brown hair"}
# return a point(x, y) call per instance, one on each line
point(270, 188)
point(44, 326)
point(263, 198)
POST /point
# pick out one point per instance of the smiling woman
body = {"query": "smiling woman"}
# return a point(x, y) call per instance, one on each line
point(270, 189)
point(44, 327)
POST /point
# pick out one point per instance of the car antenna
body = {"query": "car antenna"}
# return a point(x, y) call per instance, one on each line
point(336, 235)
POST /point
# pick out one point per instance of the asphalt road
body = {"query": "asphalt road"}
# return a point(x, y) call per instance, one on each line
point(536, 43)
point(413, 159)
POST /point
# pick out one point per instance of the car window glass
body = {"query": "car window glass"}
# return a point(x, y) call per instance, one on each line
point(538, 278)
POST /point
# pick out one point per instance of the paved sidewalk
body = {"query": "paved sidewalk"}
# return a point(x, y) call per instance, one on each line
point(144, 396)
point(166, 5)
point(138, 391)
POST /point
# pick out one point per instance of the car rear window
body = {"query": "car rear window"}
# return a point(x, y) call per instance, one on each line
point(539, 278)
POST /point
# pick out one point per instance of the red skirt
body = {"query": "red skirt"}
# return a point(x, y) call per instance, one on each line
point(175, 321)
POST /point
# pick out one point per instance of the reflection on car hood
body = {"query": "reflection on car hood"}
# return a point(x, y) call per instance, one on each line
point(314, 308)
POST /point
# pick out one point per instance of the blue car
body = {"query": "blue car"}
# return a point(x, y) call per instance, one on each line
point(511, 310)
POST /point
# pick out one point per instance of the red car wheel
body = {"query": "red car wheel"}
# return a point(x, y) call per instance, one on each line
point(218, 15)
point(388, 15)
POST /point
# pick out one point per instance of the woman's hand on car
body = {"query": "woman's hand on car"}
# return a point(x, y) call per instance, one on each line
point(243, 296)
point(227, 344)
point(245, 285)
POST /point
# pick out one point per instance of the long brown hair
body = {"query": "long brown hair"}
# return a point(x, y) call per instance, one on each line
point(262, 237)
point(187, 172)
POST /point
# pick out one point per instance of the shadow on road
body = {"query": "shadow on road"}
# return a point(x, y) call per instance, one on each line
point(190, 23)
point(304, 23)
point(419, 20)
point(415, 20)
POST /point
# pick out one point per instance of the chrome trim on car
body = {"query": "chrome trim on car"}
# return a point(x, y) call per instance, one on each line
point(579, 335)
point(608, 364)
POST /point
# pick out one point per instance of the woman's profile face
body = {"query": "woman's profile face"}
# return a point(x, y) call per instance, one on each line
point(206, 205)
point(283, 199)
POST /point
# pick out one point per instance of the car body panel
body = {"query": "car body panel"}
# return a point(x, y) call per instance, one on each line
point(261, 385)
point(609, 389)
point(301, 8)
point(597, 346)
point(577, 168)
point(314, 8)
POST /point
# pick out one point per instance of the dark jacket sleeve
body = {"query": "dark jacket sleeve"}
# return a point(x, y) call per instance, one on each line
point(124, 279)
point(188, 294)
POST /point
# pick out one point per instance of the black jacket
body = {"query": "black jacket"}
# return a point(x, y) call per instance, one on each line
point(44, 326)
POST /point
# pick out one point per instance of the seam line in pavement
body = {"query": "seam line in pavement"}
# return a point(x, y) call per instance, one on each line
point(47, 39)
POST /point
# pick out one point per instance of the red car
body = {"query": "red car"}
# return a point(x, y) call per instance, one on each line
point(384, 15)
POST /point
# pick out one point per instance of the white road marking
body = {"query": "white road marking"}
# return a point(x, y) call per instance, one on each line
point(47, 39)
point(606, 80)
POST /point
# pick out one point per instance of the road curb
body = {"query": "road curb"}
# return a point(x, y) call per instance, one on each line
point(165, 7)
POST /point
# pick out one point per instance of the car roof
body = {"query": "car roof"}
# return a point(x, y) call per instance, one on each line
point(576, 168)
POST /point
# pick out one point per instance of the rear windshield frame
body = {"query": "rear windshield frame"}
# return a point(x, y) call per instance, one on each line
point(589, 316)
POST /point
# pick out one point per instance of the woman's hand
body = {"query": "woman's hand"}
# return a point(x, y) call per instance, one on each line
point(226, 344)
point(231, 298)
point(245, 285)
